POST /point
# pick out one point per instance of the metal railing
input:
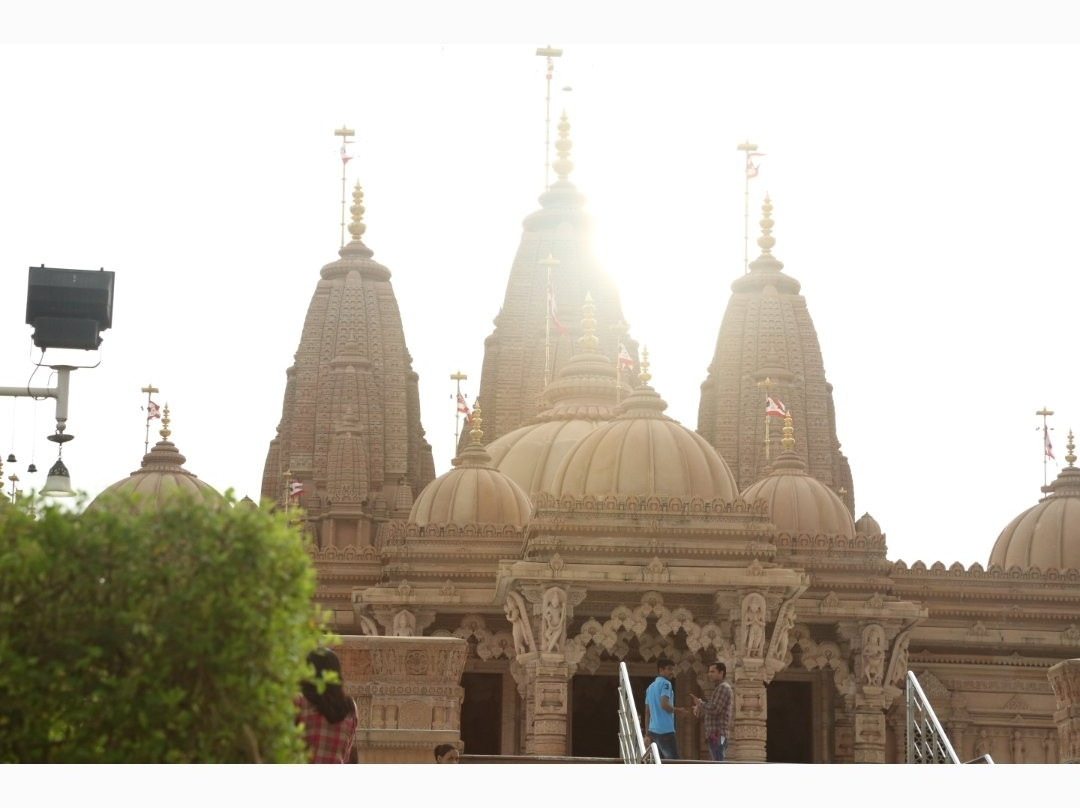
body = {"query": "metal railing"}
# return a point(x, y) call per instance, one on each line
point(631, 741)
point(926, 740)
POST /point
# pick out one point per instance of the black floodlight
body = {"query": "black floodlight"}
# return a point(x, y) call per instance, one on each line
point(69, 308)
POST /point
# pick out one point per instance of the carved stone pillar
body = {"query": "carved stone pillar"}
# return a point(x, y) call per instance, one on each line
point(408, 694)
point(751, 711)
point(547, 678)
point(869, 725)
point(1065, 680)
point(844, 735)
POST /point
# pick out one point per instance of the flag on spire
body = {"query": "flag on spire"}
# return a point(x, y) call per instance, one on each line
point(463, 408)
point(152, 410)
point(626, 362)
point(296, 488)
point(552, 314)
point(751, 168)
point(1047, 447)
point(774, 406)
point(345, 156)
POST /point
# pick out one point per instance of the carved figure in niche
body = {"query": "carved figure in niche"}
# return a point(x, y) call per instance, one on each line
point(554, 615)
point(1017, 747)
point(873, 654)
point(404, 624)
point(753, 620)
point(898, 664)
point(982, 745)
point(519, 624)
point(785, 621)
point(367, 626)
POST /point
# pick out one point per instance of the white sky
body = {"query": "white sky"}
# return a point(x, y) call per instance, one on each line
point(923, 195)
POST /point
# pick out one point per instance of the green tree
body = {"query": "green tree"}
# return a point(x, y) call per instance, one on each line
point(172, 634)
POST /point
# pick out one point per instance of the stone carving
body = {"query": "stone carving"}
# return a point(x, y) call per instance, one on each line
point(830, 601)
point(404, 624)
point(1017, 747)
point(873, 654)
point(654, 571)
point(753, 624)
point(367, 626)
point(785, 621)
point(898, 662)
point(520, 629)
point(554, 619)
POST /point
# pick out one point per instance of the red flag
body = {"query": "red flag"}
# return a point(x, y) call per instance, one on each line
point(1047, 447)
point(774, 406)
point(152, 410)
point(751, 169)
point(296, 488)
point(551, 310)
point(626, 362)
point(463, 408)
point(345, 156)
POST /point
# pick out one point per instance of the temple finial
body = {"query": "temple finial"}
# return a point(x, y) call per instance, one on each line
point(164, 431)
point(788, 441)
point(766, 240)
point(588, 341)
point(562, 165)
point(645, 376)
point(476, 434)
point(1070, 458)
point(357, 226)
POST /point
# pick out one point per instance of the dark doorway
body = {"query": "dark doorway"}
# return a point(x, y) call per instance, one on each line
point(790, 736)
point(596, 713)
point(481, 713)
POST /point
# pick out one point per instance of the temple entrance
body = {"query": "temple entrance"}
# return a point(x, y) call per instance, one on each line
point(481, 713)
point(595, 720)
point(790, 736)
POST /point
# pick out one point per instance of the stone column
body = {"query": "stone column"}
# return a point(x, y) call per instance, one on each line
point(1065, 680)
point(408, 694)
point(751, 711)
point(869, 725)
point(547, 677)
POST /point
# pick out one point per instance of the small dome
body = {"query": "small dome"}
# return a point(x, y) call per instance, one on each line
point(162, 474)
point(867, 525)
point(473, 492)
point(1046, 535)
point(644, 452)
point(799, 503)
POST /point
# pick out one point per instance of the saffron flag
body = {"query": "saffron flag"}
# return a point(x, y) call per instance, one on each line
point(463, 408)
point(152, 411)
point(552, 314)
point(1048, 448)
point(751, 168)
point(626, 362)
point(774, 406)
point(345, 156)
point(296, 488)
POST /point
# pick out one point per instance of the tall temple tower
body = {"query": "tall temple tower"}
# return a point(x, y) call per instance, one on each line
point(767, 344)
point(534, 338)
point(350, 429)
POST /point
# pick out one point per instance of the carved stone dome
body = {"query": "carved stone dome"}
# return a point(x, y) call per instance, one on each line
point(867, 525)
point(161, 475)
point(472, 493)
point(644, 452)
point(1046, 535)
point(798, 503)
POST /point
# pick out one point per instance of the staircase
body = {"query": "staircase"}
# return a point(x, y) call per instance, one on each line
point(926, 740)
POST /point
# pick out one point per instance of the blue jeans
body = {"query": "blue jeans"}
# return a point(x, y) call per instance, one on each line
point(665, 744)
point(717, 748)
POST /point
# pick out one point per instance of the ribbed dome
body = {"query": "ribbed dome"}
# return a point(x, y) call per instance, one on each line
point(162, 475)
point(1046, 535)
point(472, 493)
point(797, 502)
point(867, 525)
point(644, 452)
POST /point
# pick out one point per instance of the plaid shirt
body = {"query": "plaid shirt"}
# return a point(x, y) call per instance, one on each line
point(717, 711)
point(327, 743)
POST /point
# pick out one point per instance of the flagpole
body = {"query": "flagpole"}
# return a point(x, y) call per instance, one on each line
point(458, 377)
point(620, 330)
point(1044, 412)
point(344, 133)
point(747, 147)
point(287, 475)
point(548, 262)
point(548, 52)
point(149, 389)
point(766, 385)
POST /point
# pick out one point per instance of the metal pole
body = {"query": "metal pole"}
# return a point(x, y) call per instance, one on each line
point(746, 147)
point(149, 389)
point(1044, 412)
point(548, 52)
point(458, 377)
point(344, 133)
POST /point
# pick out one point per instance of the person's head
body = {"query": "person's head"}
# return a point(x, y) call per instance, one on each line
point(446, 753)
point(324, 689)
point(717, 671)
point(665, 667)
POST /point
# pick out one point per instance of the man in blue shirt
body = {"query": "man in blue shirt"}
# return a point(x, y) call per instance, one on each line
point(660, 711)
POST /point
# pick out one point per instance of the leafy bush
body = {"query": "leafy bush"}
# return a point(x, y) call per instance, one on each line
point(177, 634)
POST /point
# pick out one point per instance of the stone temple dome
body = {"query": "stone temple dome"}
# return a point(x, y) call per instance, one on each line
point(867, 525)
point(161, 475)
point(473, 492)
point(582, 396)
point(644, 452)
point(1046, 535)
point(798, 503)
